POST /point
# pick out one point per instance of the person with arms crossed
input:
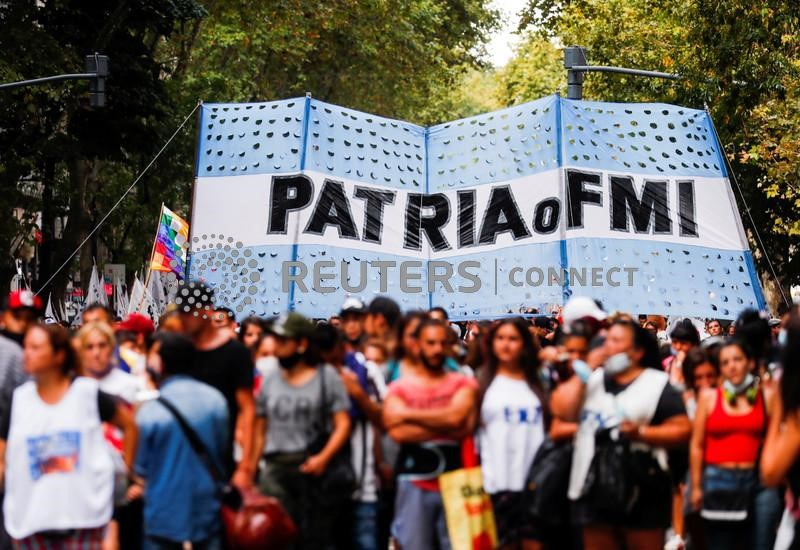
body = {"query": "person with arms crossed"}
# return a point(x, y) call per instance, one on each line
point(429, 413)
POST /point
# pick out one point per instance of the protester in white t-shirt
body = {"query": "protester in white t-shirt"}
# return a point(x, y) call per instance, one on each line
point(96, 343)
point(512, 425)
point(58, 471)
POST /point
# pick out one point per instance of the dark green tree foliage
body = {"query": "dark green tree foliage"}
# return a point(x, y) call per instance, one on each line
point(395, 58)
point(77, 161)
point(739, 58)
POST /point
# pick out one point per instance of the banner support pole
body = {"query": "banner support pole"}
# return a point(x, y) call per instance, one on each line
point(303, 147)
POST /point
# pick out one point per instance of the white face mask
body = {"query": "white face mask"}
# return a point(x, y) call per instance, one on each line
point(617, 364)
point(782, 336)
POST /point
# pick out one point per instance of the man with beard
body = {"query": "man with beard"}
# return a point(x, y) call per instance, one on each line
point(429, 413)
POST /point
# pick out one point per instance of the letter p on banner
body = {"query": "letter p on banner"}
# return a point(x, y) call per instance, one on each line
point(468, 509)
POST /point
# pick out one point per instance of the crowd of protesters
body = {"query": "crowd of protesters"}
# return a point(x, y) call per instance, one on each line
point(651, 433)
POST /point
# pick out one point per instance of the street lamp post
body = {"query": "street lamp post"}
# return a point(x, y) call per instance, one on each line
point(575, 63)
point(96, 73)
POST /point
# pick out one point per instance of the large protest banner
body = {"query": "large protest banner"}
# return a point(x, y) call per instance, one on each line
point(298, 203)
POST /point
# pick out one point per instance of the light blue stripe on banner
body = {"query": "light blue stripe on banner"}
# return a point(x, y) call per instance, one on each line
point(646, 138)
point(670, 279)
point(494, 147)
point(496, 294)
point(316, 304)
point(250, 138)
point(246, 279)
point(649, 138)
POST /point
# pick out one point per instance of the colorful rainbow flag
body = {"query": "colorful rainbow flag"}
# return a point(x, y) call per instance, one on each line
point(171, 245)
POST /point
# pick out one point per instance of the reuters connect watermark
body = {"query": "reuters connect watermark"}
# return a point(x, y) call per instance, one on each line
point(416, 276)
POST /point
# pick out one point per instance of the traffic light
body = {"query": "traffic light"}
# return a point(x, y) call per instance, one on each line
point(97, 64)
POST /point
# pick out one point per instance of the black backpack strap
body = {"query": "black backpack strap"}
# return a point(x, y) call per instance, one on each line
point(194, 440)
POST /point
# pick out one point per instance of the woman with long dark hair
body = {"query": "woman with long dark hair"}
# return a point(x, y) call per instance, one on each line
point(513, 407)
point(728, 433)
point(251, 330)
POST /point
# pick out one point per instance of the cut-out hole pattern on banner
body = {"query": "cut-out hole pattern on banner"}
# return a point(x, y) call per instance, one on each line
point(693, 279)
point(250, 138)
point(655, 138)
point(366, 148)
point(497, 146)
point(650, 140)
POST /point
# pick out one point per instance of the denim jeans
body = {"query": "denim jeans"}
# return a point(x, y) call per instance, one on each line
point(764, 508)
point(767, 508)
point(419, 519)
point(365, 526)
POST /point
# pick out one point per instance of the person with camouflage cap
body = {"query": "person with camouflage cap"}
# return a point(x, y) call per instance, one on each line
point(302, 424)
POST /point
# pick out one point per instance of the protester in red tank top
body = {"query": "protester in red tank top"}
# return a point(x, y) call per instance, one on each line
point(734, 438)
point(729, 429)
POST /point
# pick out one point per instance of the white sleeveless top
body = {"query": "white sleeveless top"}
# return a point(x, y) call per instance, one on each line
point(601, 409)
point(59, 471)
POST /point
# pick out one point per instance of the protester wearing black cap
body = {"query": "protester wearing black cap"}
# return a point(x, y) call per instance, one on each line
point(302, 427)
point(224, 363)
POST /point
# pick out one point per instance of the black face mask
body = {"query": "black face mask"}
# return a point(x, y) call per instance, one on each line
point(289, 362)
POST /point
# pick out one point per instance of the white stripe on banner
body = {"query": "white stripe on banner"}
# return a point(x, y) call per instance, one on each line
point(264, 217)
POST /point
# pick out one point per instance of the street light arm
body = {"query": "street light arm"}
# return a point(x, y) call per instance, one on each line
point(47, 79)
point(575, 63)
point(624, 70)
point(96, 73)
